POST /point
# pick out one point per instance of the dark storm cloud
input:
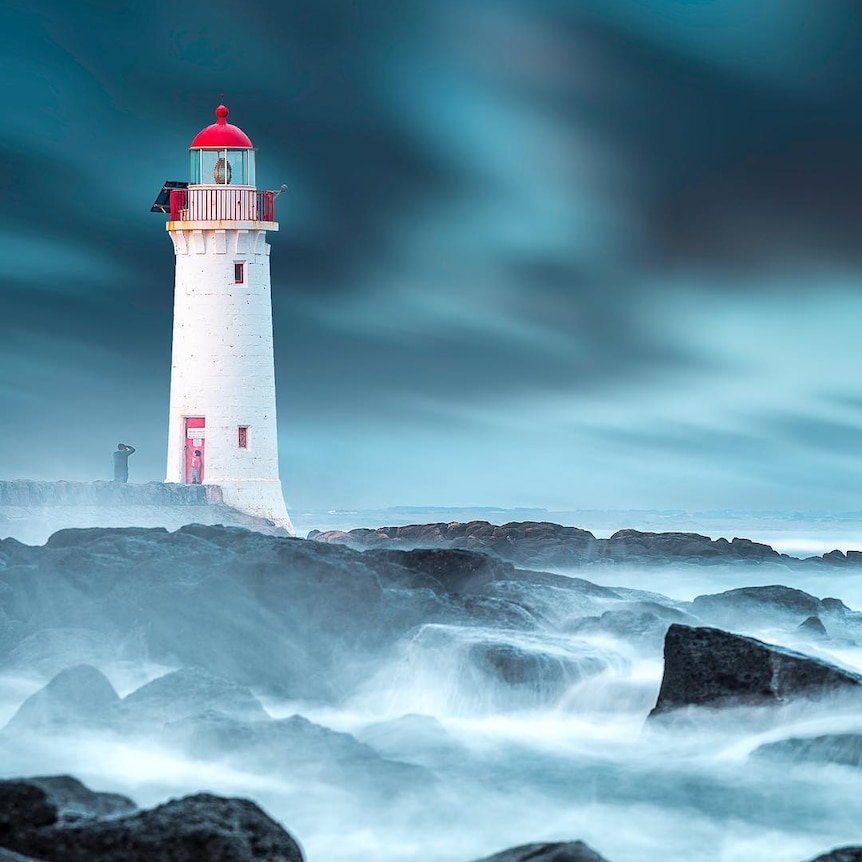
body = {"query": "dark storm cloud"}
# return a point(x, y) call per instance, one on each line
point(486, 199)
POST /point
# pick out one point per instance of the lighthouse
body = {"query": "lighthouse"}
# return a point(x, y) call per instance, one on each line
point(222, 429)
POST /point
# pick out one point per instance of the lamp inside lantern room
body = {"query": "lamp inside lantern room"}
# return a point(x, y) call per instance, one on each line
point(221, 167)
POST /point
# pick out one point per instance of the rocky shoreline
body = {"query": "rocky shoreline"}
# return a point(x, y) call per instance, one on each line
point(235, 617)
point(544, 545)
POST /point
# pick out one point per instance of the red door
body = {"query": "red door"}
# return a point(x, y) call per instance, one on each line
point(195, 449)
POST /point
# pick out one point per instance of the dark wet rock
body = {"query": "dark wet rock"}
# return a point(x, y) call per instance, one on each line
point(298, 747)
point(484, 671)
point(714, 668)
point(78, 697)
point(813, 626)
point(554, 599)
point(635, 546)
point(758, 606)
point(625, 624)
point(833, 605)
point(445, 571)
point(530, 543)
point(542, 545)
point(47, 800)
point(844, 749)
point(57, 819)
point(519, 667)
point(187, 691)
point(571, 851)
point(841, 854)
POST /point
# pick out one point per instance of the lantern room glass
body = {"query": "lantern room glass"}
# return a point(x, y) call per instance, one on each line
point(221, 167)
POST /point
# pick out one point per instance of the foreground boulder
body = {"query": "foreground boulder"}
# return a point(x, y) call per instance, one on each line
point(571, 851)
point(58, 819)
point(714, 668)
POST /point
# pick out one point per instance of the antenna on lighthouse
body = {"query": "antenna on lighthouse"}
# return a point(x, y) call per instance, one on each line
point(281, 190)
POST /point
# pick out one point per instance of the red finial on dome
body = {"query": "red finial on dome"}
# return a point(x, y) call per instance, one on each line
point(222, 134)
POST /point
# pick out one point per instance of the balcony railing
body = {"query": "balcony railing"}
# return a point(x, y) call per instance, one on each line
point(222, 204)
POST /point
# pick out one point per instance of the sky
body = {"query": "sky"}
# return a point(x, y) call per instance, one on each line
point(570, 254)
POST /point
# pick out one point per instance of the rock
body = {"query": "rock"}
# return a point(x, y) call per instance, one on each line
point(187, 691)
point(474, 670)
point(529, 543)
point(60, 820)
point(542, 545)
point(572, 851)
point(756, 606)
point(842, 854)
point(813, 626)
point(714, 668)
point(31, 803)
point(530, 669)
point(844, 749)
point(77, 697)
point(635, 546)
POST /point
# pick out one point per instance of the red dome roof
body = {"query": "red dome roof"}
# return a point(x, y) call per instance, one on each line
point(222, 134)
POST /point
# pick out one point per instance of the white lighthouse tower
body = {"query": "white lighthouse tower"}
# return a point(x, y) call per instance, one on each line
point(222, 428)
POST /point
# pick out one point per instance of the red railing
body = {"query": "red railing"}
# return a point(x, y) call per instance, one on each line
point(179, 203)
point(222, 204)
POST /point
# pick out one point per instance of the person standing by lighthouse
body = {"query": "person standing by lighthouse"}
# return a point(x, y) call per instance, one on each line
point(222, 429)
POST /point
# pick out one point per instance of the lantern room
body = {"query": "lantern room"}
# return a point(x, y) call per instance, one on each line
point(221, 154)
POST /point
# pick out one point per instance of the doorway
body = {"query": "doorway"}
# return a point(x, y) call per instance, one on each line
point(195, 449)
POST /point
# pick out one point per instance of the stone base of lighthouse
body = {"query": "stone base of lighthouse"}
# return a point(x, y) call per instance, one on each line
point(262, 498)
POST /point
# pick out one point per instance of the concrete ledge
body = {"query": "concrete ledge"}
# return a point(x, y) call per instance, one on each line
point(28, 492)
point(30, 511)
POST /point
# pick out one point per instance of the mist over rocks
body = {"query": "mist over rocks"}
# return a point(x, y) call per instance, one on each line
point(707, 667)
point(187, 690)
point(58, 819)
point(78, 697)
point(219, 598)
point(843, 749)
point(300, 748)
point(522, 693)
point(761, 601)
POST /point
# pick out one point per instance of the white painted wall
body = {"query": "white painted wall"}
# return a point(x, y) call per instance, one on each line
point(222, 366)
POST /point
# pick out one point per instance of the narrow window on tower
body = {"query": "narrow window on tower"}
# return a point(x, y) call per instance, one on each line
point(242, 436)
point(239, 273)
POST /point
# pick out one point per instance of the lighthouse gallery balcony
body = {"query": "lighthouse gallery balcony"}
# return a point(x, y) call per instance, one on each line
point(222, 203)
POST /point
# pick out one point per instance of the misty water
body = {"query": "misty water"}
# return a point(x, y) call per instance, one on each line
point(564, 755)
